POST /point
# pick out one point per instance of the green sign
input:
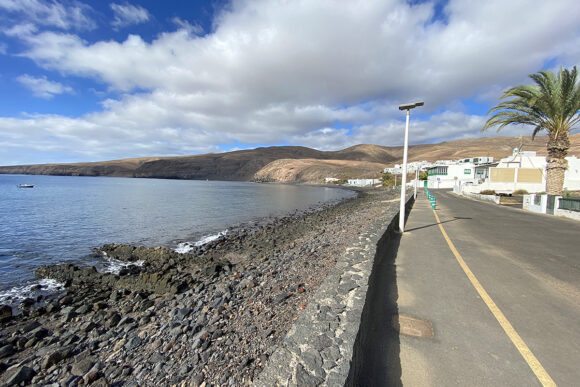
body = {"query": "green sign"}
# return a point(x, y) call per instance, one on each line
point(467, 171)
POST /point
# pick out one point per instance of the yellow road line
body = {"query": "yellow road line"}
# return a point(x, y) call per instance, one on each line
point(525, 351)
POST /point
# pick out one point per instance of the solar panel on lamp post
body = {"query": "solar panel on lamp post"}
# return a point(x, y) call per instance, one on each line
point(408, 108)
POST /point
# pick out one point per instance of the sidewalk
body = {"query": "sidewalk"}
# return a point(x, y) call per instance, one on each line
point(448, 336)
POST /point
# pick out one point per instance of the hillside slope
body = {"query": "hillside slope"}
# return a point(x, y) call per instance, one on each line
point(115, 168)
point(244, 164)
point(314, 171)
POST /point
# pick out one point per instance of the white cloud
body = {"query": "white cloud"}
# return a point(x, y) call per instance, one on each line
point(194, 29)
point(73, 15)
point(24, 30)
point(92, 138)
point(301, 51)
point(286, 72)
point(126, 15)
point(42, 87)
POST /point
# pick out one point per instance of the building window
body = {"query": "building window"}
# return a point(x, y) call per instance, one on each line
point(435, 171)
point(467, 171)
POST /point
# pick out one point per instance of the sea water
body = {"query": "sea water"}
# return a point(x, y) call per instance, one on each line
point(62, 218)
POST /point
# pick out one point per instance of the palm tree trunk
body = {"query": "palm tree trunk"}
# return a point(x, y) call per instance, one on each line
point(557, 164)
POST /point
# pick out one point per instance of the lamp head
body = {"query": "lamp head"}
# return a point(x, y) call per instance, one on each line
point(410, 106)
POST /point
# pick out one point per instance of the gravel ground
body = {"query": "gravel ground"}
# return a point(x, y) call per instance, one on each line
point(212, 316)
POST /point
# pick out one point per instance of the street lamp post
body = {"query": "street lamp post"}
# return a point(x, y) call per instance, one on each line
point(408, 108)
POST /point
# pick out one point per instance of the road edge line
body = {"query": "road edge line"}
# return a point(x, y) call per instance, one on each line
point(518, 342)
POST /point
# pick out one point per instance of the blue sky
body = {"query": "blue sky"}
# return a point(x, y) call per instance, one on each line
point(99, 80)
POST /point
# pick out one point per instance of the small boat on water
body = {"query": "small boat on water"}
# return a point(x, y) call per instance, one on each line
point(25, 185)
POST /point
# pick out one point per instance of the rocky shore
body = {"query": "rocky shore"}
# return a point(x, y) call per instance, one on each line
point(213, 316)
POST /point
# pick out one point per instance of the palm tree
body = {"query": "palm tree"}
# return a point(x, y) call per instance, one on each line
point(552, 104)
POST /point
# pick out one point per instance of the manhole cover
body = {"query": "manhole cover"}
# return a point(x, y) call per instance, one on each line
point(411, 326)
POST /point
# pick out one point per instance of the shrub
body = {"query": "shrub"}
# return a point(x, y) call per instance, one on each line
point(520, 192)
point(487, 192)
point(566, 194)
point(390, 180)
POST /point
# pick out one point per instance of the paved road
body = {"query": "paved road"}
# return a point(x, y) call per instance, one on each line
point(529, 264)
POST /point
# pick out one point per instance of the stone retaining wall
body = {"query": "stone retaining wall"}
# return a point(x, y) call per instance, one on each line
point(320, 349)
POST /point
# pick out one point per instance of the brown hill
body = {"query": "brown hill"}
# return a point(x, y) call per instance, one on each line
point(238, 165)
point(242, 165)
point(315, 171)
point(115, 168)
point(369, 152)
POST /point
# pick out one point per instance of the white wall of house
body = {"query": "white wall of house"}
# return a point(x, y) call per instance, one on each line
point(477, 160)
point(420, 183)
point(411, 167)
point(502, 187)
point(523, 160)
point(393, 171)
point(525, 163)
point(535, 203)
point(539, 203)
point(363, 182)
point(448, 176)
point(572, 177)
point(567, 214)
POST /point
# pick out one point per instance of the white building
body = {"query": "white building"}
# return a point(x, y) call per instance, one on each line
point(393, 171)
point(450, 175)
point(477, 160)
point(445, 162)
point(525, 171)
point(363, 182)
point(411, 167)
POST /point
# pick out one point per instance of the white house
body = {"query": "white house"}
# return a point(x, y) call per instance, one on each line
point(444, 162)
point(450, 175)
point(393, 171)
point(411, 167)
point(525, 171)
point(477, 160)
point(363, 182)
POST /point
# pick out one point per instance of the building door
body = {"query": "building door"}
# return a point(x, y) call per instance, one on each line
point(550, 205)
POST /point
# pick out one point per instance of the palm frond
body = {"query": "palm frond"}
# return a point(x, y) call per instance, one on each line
point(537, 130)
point(551, 103)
